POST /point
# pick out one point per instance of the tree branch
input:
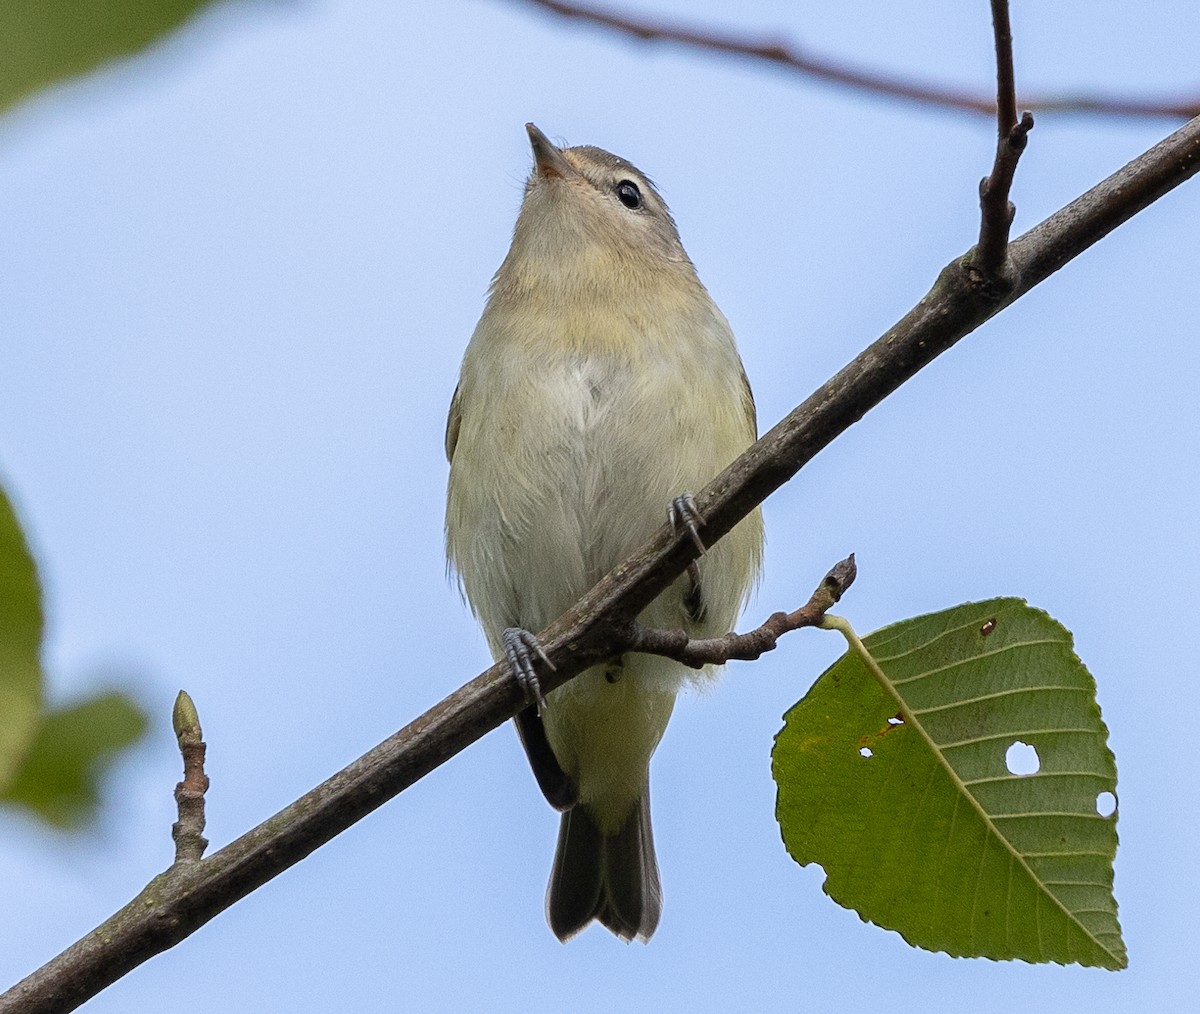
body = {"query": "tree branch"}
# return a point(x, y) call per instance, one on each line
point(753, 644)
point(190, 894)
point(1006, 78)
point(997, 212)
point(823, 68)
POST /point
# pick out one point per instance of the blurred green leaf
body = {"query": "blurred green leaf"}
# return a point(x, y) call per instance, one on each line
point(74, 745)
point(20, 645)
point(43, 42)
point(49, 763)
point(897, 784)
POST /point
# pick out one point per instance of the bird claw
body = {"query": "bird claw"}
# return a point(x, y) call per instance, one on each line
point(520, 647)
point(684, 512)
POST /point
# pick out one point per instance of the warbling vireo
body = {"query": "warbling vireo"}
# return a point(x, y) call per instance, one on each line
point(601, 385)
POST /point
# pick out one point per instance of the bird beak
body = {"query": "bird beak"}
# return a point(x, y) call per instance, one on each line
point(549, 160)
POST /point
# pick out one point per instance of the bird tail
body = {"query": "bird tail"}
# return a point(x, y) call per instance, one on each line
point(610, 877)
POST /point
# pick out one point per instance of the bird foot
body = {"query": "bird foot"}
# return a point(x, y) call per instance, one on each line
point(683, 513)
point(520, 647)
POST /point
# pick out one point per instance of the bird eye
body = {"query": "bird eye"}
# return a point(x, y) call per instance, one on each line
point(629, 195)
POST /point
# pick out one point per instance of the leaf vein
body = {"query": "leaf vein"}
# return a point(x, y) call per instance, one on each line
point(1009, 735)
point(973, 659)
point(974, 622)
point(991, 697)
point(1046, 813)
point(1107, 778)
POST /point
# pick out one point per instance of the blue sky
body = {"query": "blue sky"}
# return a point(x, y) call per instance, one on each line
point(239, 277)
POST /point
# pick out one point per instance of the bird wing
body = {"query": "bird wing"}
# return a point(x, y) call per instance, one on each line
point(453, 422)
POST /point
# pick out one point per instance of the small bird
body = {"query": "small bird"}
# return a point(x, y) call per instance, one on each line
point(601, 387)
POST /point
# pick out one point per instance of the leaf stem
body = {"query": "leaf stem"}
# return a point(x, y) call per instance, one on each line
point(843, 627)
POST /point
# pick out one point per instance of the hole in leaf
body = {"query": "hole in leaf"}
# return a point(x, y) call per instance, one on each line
point(896, 720)
point(987, 627)
point(1022, 759)
point(1106, 804)
point(865, 752)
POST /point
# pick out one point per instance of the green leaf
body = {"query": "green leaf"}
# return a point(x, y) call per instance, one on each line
point(896, 783)
point(60, 779)
point(20, 645)
point(43, 42)
point(51, 763)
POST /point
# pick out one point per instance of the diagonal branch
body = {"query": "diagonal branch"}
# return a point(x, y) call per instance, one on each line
point(190, 894)
point(824, 68)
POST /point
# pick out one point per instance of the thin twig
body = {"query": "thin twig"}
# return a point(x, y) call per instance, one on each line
point(823, 68)
point(191, 894)
point(188, 830)
point(746, 647)
point(996, 210)
point(1006, 78)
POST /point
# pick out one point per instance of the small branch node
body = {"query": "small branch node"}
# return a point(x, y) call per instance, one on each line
point(841, 577)
point(1018, 136)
